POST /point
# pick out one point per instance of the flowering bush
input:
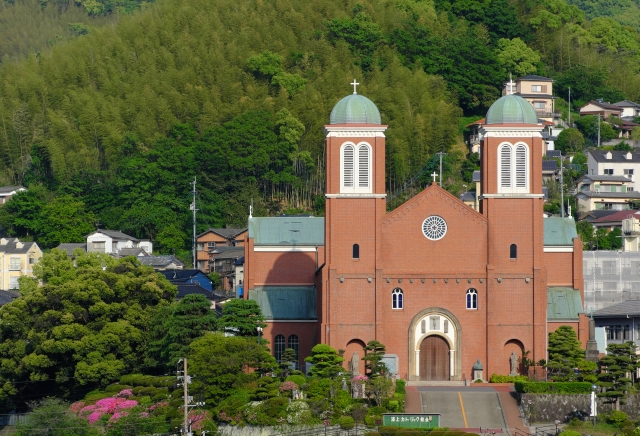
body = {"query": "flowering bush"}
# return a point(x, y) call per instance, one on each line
point(359, 379)
point(288, 386)
point(298, 412)
point(114, 408)
point(125, 393)
point(77, 406)
point(198, 419)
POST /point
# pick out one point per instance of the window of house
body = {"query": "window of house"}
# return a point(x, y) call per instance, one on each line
point(539, 105)
point(629, 188)
point(32, 260)
point(397, 299)
point(355, 168)
point(617, 332)
point(98, 246)
point(294, 343)
point(536, 88)
point(13, 283)
point(608, 171)
point(356, 251)
point(14, 264)
point(607, 206)
point(628, 172)
point(200, 246)
point(472, 299)
point(609, 267)
point(513, 251)
point(211, 245)
point(278, 348)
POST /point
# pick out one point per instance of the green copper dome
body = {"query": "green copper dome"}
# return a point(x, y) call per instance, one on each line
point(511, 109)
point(355, 109)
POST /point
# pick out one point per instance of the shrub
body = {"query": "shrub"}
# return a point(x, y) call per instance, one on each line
point(116, 388)
point(525, 387)
point(358, 412)
point(393, 406)
point(497, 378)
point(387, 430)
point(372, 420)
point(570, 433)
point(478, 381)
point(617, 417)
point(273, 407)
point(401, 386)
point(342, 402)
point(298, 413)
point(346, 422)
point(297, 379)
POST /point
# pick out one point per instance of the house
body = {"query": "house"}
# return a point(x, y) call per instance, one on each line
point(441, 285)
point(597, 107)
point(538, 91)
point(631, 231)
point(238, 283)
point(8, 296)
point(212, 238)
point(550, 169)
point(615, 220)
point(592, 215)
point(469, 197)
point(6, 192)
point(590, 200)
point(71, 247)
point(222, 261)
point(621, 322)
point(16, 260)
point(624, 127)
point(630, 109)
point(188, 276)
point(614, 163)
point(162, 262)
point(112, 241)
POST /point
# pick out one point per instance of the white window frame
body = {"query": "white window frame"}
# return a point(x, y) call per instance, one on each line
point(359, 185)
point(518, 171)
point(15, 263)
point(536, 88)
point(473, 304)
point(13, 282)
point(396, 303)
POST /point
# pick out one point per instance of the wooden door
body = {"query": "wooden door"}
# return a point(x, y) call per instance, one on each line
point(434, 358)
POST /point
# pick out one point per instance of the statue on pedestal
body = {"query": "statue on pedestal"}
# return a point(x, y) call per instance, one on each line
point(514, 364)
point(355, 364)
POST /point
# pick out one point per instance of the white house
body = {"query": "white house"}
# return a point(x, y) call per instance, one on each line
point(7, 191)
point(112, 241)
point(615, 163)
point(629, 108)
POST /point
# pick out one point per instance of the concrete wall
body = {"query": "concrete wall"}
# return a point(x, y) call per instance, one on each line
point(539, 408)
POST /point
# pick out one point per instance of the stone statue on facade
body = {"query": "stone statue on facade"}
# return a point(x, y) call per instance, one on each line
point(514, 363)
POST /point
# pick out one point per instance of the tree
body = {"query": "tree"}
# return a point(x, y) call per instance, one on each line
point(378, 389)
point(216, 281)
point(620, 360)
point(326, 361)
point(65, 219)
point(516, 57)
point(91, 322)
point(586, 232)
point(588, 126)
point(52, 417)
point(241, 317)
point(222, 365)
point(564, 354)
point(288, 361)
point(374, 352)
point(570, 141)
point(615, 238)
point(175, 327)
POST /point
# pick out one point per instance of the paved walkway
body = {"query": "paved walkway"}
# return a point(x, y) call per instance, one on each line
point(492, 409)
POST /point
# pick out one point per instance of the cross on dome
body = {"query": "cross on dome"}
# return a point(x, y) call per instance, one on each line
point(434, 175)
point(511, 85)
point(354, 86)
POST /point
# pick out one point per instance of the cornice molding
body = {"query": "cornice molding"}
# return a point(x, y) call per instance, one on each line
point(514, 195)
point(503, 133)
point(355, 195)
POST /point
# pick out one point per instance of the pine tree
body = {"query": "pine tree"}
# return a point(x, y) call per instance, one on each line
point(620, 362)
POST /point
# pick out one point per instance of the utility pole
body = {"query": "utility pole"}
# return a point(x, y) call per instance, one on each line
point(441, 153)
point(193, 208)
point(569, 107)
point(561, 189)
point(598, 130)
point(185, 385)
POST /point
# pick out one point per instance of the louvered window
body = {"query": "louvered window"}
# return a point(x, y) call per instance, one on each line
point(521, 167)
point(505, 167)
point(348, 166)
point(363, 166)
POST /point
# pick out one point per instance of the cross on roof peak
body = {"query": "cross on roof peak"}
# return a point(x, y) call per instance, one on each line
point(354, 86)
point(434, 175)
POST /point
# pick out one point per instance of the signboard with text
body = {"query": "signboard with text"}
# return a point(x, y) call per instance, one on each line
point(411, 420)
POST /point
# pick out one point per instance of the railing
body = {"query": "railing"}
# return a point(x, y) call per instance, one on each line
point(474, 139)
point(547, 430)
point(547, 114)
point(630, 226)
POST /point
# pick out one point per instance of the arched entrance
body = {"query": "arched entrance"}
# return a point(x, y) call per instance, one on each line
point(434, 358)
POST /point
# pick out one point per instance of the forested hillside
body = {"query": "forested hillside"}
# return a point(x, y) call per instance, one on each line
point(112, 126)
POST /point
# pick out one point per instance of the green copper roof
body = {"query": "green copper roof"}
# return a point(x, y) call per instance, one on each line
point(511, 109)
point(355, 109)
point(563, 303)
point(559, 231)
point(285, 302)
point(287, 230)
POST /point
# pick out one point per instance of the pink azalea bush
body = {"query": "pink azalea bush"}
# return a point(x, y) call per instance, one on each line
point(198, 419)
point(359, 379)
point(125, 393)
point(115, 407)
point(288, 386)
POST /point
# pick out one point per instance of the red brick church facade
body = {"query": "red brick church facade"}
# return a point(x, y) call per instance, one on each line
point(438, 283)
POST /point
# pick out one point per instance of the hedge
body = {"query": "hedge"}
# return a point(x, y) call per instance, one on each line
point(497, 378)
point(400, 386)
point(525, 387)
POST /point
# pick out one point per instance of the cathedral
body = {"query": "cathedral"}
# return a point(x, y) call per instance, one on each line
point(443, 287)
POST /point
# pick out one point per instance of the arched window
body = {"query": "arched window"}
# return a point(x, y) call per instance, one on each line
point(348, 166)
point(513, 251)
point(356, 251)
point(472, 299)
point(505, 167)
point(278, 348)
point(363, 166)
point(397, 299)
point(294, 344)
point(521, 167)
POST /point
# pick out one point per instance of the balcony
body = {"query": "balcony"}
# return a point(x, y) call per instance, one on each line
point(543, 113)
point(631, 226)
point(474, 139)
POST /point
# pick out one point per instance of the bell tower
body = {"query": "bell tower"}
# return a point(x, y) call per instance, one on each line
point(512, 201)
point(355, 204)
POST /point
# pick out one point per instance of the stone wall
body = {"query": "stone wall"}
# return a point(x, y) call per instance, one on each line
point(537, 408)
